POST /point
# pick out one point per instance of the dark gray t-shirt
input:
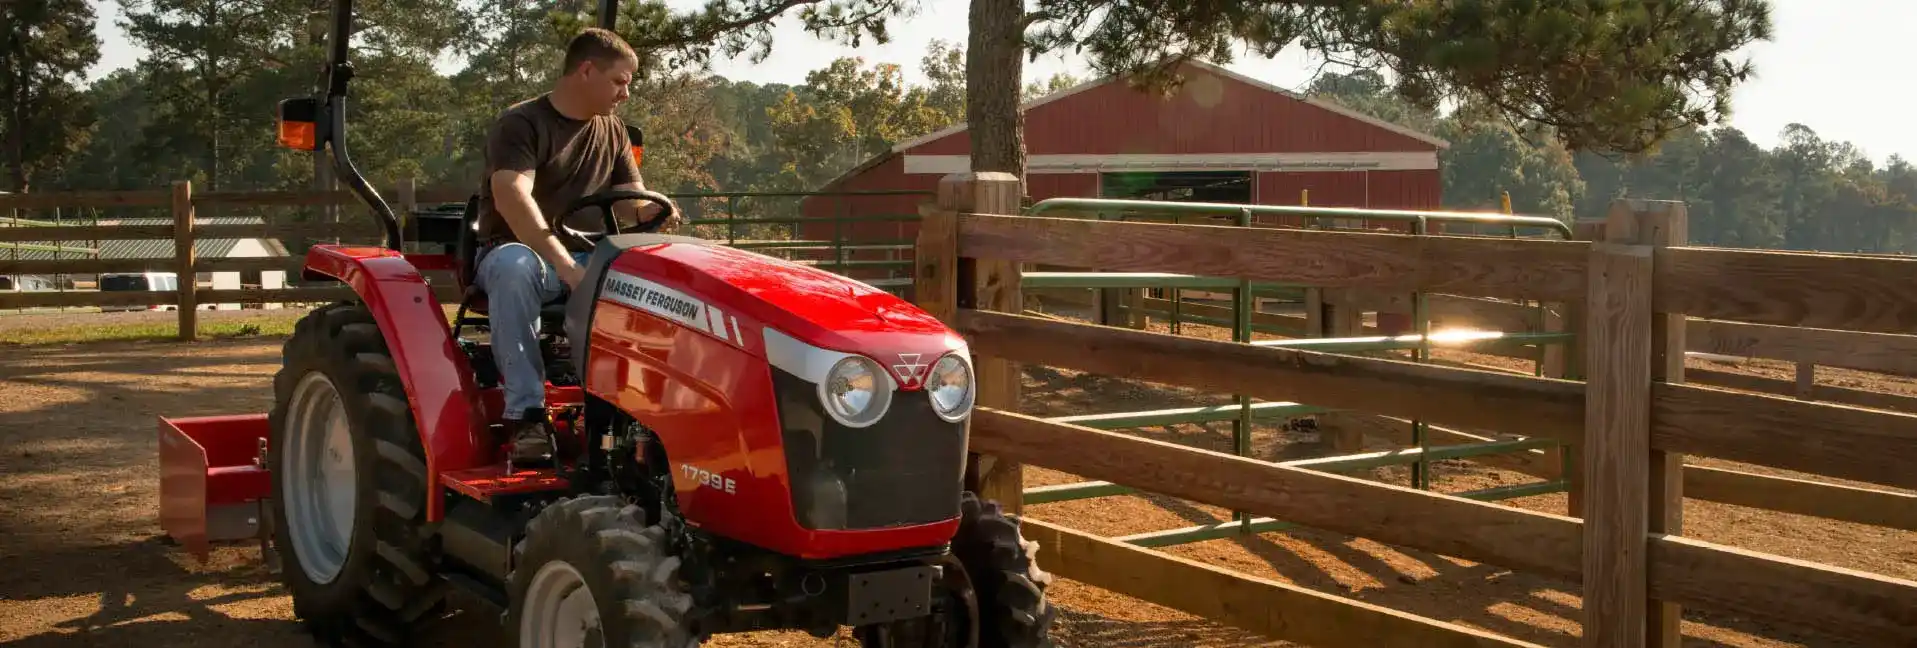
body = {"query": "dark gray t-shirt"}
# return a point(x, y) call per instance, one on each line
point(569, 158)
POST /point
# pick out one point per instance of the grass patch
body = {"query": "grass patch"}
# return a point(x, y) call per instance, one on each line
point(79, 328)
point(80, 332)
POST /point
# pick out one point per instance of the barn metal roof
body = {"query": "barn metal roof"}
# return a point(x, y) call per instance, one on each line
point(133, 249)
point(1208, 67)
point(1212, 68)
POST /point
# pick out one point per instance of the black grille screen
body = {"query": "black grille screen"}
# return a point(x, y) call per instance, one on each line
point(906, 469)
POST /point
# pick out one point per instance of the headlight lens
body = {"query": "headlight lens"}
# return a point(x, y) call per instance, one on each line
point(854, 391)
point(950, 388)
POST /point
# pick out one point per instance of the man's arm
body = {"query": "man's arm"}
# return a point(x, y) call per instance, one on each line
point(512, 196)
point(512, 148)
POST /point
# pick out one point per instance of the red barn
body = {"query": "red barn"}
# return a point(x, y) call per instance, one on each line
point(1221, 137)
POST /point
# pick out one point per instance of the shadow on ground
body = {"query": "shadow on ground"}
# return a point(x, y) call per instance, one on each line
point(1075, 629)
point(1518, 605)
point(146, 594)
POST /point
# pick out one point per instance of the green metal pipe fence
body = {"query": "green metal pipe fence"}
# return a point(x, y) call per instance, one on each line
point(749, 224)
point(1243, 411)
point(1134, 207)
point(746, 230)
point(1338, 464)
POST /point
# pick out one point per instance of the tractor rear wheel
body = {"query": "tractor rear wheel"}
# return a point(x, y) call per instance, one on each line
point(348, 484)
point(591, 573)
point(1006, 588)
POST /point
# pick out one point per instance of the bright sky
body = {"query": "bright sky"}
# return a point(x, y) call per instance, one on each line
point(1834, 65)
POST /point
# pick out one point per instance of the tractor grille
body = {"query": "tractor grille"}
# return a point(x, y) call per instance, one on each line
point(903, 470)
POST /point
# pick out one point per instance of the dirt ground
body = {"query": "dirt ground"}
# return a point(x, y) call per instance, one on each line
point(83, 563)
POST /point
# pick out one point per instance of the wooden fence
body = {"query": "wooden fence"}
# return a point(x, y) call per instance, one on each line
point(180, 204)
point(1631, 418)
point(181, 216)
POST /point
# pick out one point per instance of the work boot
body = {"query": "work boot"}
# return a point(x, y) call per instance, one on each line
point(531, 439)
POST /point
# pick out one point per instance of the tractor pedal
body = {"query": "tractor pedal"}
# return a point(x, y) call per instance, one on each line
point(487, 482)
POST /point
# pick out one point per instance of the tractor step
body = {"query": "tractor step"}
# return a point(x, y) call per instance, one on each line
point(488, 482)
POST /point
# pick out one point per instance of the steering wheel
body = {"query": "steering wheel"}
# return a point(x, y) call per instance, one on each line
point(604, 201)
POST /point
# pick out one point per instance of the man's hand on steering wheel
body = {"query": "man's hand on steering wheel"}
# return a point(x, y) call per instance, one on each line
point(604, 200)
point(649, 210)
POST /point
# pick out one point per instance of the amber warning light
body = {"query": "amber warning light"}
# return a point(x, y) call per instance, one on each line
point(638, 140)
point(299, 124)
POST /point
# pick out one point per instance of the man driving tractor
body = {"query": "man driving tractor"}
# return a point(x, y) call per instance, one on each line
point(541, 155)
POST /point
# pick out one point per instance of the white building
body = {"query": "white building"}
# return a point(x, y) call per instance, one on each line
point(160, 251)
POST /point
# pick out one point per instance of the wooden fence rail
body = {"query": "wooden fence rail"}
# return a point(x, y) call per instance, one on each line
point(182, 205)
point(1894, 354)
point(186, 222)
point(1631, 418)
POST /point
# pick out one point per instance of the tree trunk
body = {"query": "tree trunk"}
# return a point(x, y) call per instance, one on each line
point(994, 73)
point(209, 76)
point(11, 84)
point(16, 131)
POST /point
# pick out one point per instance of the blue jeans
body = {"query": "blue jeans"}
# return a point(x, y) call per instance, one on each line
point(517, 282)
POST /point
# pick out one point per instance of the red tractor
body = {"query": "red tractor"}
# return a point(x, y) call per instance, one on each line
point(744, 443)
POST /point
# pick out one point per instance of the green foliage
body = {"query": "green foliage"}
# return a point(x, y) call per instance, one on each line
point(46, 47)
point(410, 119)
point(1610, 75)
point(735, 28)
point(845, 114)
point(199, 53)
point(1606, 75)
point(1806, 194)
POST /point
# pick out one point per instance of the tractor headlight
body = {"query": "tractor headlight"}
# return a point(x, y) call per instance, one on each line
point(855, 391)
point(950, 388)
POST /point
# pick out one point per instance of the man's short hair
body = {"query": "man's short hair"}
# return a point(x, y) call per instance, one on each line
point(600, 46)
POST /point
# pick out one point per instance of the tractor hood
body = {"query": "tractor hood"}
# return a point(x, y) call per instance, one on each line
point(736, 295)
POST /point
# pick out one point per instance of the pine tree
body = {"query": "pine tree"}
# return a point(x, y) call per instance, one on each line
point(1613, 76)
point(46, 47)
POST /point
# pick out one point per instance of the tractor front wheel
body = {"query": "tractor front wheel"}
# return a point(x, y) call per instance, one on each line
point(348, 484)
point(592, 574)
point(1000, 597)
point(1006, 580)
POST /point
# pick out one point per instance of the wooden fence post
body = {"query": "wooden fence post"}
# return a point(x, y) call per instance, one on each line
point(1659, 223)
point(1617, 441)
point(183, 259)
point(985, 284)
point(1568, 361)
point(935, 255)
point(1341, 314)
point(1806, 381)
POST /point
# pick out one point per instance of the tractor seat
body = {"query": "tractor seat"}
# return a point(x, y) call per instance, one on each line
point(466, 256)
point(476, 304)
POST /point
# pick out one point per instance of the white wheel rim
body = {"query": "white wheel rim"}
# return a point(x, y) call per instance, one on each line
point(322, 488)
point(559, 610)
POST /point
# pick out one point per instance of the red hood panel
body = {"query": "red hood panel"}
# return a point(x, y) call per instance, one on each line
point(812, 305)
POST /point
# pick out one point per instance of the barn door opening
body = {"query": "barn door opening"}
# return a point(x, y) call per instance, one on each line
point(1233, 187)
point(1178, 186)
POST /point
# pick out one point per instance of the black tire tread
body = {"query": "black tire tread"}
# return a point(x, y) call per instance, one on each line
point(1008, 583)
point(626, 563)
point(394, 587)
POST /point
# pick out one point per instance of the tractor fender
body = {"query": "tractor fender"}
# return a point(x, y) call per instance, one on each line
point(434, 372)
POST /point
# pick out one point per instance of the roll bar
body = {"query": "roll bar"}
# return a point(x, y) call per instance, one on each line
point(315, 123)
